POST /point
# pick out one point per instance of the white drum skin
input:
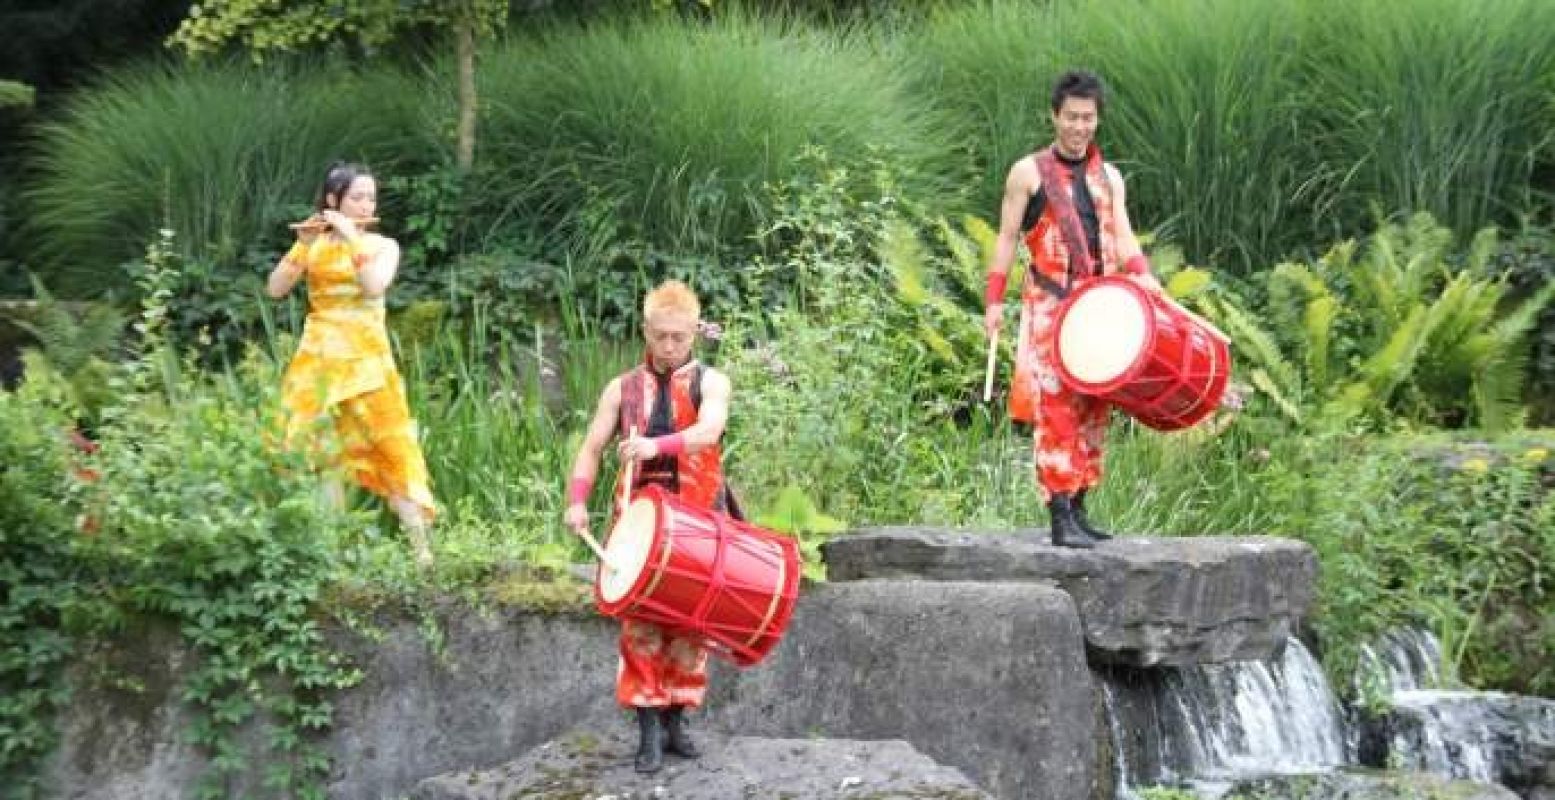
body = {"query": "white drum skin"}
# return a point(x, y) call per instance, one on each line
point(628, 546)
point(1104, 332)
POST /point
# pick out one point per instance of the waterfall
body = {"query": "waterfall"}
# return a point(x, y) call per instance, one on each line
point(1442, 732)
point(1120, 771)
point(1429, 727)
point(1408, 659)
point(1215, 723)
point(1451, 736)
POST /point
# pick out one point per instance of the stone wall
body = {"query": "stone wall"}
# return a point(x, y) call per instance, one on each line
point(982, 668)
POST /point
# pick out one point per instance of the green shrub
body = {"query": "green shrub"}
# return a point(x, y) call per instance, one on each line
point(1402, 327)
point(185, 511)
point(42, 583)
point(1458, 538)
point(1526, 261)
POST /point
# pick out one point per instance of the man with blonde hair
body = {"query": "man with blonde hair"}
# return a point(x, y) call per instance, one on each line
point(669, 414)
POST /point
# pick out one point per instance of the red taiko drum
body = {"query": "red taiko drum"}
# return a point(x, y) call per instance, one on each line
point(1162, 364)
point(691, 569)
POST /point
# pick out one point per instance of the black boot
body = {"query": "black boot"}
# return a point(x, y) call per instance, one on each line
point(650, 749)
point(1085, 522)
point(677, 739)
point(1066, 528)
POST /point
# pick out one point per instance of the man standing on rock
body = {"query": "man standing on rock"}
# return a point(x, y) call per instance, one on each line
point(1068, 206)
point(680, 407)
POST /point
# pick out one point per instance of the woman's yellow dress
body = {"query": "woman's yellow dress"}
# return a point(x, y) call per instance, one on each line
point(344, 369)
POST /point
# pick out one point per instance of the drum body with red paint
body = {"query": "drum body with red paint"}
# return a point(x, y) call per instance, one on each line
point(688, 568)
point(1159, 362)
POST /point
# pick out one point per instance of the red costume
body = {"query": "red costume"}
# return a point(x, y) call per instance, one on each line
point(661, 668)
point(1070, 428)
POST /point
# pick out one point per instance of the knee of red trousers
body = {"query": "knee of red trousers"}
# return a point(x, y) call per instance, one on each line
point(658, 668)
point(1067, 443)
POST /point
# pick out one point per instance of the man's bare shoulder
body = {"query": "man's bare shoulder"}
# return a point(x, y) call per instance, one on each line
point(716, 379)
point(1023, 174)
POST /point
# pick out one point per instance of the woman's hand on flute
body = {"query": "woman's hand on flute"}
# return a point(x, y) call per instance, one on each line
point(309, 229)
point(343, 225)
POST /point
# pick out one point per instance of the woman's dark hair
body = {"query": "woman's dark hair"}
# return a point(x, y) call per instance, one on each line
point(337, 180)
point(1079, 83)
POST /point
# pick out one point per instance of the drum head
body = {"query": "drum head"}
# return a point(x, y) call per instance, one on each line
point(627, 549)
point(1103, 333)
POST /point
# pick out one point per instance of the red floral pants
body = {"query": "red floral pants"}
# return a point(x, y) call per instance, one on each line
point(660, 667)
point(1069, 429)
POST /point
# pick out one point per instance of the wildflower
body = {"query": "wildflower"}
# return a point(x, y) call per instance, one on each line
point(1234, 399)
point(1478, 466)
point(1535, 456)
point(711, 331)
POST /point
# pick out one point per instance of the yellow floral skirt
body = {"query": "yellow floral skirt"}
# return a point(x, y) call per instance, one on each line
point(377, 436)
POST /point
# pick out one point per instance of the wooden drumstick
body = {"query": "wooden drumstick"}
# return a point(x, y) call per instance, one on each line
point(598, 551)
point(626, 484)
point(993, 353)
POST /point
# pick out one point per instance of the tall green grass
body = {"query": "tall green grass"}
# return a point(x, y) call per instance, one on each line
point(642, 143)
point(1204, 113)
point(1435, 105)
point(1250, 130)
point(669, 132)
point(223, 154)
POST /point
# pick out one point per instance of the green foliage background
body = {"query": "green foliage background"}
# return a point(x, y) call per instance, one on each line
point(811, 172)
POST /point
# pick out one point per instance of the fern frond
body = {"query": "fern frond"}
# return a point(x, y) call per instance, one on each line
point(1481, 249)
point(982, 233)
point(1377, 276)
point(971, 249)
point(1503, 372)
point(1513, 328)
point(1498, 391)
point(1253, 341)
point(1271, 390)
point(1188, 283)
point(1389, 367)
point(1318, 325)
point(904, 256)
point(1301, 276)
point(100, 329)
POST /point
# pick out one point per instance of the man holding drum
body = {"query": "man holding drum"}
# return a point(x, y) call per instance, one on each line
point(1068, 206)
point(679, 407)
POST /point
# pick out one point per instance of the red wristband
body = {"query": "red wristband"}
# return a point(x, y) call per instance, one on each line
point(671, 445)
point(1137, 265)
point(578, 490)
point(996, 284)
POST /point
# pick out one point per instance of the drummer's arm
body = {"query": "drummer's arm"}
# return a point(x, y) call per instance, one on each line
point(712, 415)
point(585, 467)
point(1018, 186)
point(1131, 257)
point(1017, 193)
